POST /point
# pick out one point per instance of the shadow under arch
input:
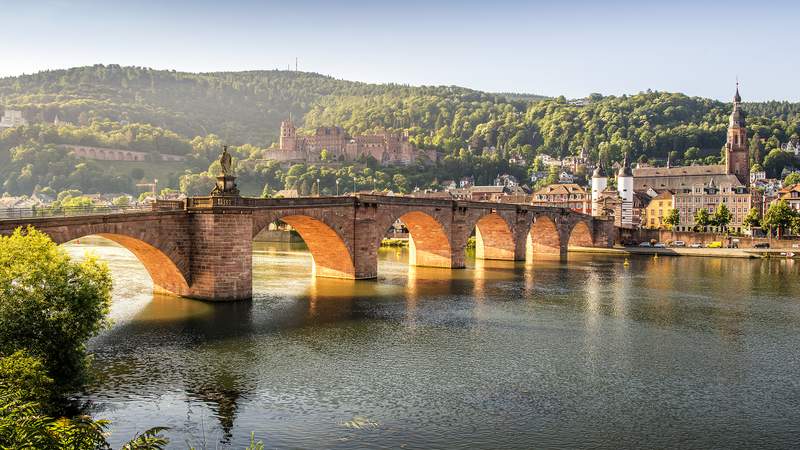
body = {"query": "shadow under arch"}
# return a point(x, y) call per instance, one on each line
point(493, 238)
point(166, 276)
point(330, 255)
point(543, 238)
point(580, 235)
point(428, 244)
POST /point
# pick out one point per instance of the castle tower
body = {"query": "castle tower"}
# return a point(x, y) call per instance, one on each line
point(625, 190)
point(599, 184)
point(737, 151)
point(288, 139)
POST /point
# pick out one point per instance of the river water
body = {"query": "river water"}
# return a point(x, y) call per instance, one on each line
point(669, 352)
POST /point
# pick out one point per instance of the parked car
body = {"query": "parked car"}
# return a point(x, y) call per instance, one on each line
point(679, 244)
point(644, 244)
point(660, 245)
point(696, 245)
point(715, 244)
point(761, 245)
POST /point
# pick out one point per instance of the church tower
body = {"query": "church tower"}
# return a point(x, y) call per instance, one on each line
point(288, 141)
point(737, 152)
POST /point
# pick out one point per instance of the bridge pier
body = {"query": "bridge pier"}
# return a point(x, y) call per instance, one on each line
point(222, 256)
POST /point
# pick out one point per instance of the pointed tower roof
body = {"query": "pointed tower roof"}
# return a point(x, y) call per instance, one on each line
point(737, 115)
point(625, 170)
point(599, 172)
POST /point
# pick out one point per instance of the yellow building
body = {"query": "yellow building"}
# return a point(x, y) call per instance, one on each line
point(657, 210)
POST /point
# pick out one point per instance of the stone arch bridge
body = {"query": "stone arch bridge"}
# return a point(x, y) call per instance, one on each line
point(202, 247)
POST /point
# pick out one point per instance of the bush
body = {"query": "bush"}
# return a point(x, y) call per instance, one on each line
point(49, 305)
point(24, 377)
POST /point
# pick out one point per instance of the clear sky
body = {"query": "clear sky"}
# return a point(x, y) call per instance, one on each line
point(569, 47)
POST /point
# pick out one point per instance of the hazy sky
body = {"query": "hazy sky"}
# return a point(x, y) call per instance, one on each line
point(566, 47)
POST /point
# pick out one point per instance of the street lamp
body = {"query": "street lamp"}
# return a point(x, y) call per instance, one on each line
point(337, 187)
point(317, 187)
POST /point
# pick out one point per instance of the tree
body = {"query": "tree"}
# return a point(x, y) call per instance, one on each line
point(137, 173)
point(722, 216)
point(779, 217)
point(792, 179)
point(691, 153)
point(267, 191)
point(400, 183)
point(701, 219)
point(65, 303)
point(122, 200)
point(776, 161)
point(752, 219)
point(673, 218)
point(197, 184)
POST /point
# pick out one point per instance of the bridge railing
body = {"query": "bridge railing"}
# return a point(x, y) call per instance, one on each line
point(62, 211)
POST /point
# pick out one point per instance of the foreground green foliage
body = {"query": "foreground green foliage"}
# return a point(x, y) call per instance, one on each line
point(50, 305)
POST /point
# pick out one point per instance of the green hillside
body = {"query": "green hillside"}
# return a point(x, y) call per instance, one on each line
point(159, 111)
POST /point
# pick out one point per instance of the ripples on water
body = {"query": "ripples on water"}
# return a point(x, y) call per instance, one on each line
point(673, 352)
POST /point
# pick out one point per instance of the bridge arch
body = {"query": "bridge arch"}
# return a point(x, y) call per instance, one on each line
point(580, 235)
point(167, 277)
point(428, 244)
point(543, 237)
point(330, 253)
point(493, 238)
point(428, 239)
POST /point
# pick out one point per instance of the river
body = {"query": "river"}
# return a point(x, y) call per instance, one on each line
point(668, 352)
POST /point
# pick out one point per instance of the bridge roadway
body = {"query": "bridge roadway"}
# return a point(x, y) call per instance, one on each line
point(202, 247)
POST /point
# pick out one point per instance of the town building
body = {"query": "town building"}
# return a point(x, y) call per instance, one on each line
point(563, 195)
point(656, 211)
point(757, 176)
point(12, 118)
point(738, 199)
point(769, 186)
point(566, 177)
point(791, 195)
point(506, 180)
point(791, 147)
point(333, 144)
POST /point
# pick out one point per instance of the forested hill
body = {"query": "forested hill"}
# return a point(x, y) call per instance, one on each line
point(168, 112)
point(240, 107)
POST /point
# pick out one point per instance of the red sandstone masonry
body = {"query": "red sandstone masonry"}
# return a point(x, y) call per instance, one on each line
point(205, 250)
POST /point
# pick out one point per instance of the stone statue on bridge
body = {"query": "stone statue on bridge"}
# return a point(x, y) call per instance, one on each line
point(226, 182)
point(225, 161)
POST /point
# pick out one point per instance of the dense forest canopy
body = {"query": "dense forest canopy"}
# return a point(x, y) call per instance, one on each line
point(168, 112)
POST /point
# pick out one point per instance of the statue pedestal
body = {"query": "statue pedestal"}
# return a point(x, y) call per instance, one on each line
point(226, 187)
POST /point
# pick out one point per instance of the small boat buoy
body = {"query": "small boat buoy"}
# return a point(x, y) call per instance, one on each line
point(626, 263)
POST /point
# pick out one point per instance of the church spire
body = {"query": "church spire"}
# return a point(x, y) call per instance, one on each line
point(737, 115)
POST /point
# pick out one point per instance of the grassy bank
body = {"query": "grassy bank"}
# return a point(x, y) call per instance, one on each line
point(394, 242)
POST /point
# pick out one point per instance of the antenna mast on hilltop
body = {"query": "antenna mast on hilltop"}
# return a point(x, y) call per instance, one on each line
point(295, 64)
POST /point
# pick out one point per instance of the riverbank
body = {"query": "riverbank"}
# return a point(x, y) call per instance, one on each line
point(697, 252)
